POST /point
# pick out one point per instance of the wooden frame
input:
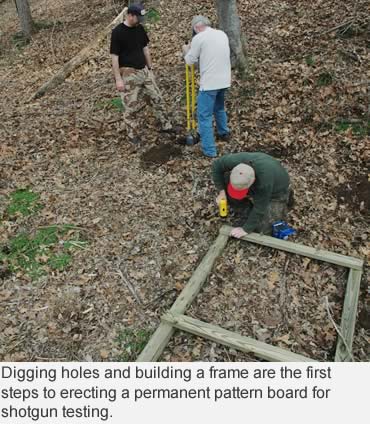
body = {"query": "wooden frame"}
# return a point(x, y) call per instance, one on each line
point(175, 318)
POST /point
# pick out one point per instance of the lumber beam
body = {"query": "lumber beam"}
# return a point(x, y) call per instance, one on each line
point(233, 340)
point(348, 321)
point(162, 335)
point(299, 249)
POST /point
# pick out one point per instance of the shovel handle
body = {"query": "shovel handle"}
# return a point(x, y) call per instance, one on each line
point(187, 97)
point(193, 122)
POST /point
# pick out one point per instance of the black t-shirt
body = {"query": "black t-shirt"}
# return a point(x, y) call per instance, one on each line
point(128, 43)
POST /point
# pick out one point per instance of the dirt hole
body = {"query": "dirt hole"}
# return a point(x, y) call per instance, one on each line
point(160, 154)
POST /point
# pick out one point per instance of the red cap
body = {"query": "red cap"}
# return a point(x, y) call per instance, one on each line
point(235, 193)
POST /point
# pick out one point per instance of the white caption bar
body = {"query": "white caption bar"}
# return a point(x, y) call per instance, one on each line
point(89, 393)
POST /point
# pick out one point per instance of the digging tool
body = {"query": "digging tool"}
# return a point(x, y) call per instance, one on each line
point(191, 125)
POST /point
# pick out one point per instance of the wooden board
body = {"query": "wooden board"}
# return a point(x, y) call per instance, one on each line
point(160, 338)
point(347, 326)
point(176, 319)
point(299, 249)
point(234, 340)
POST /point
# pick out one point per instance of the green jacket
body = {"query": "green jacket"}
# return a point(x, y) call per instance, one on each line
point(272, 180)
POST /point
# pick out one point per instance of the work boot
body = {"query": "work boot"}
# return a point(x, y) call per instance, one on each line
point(224, 137)
point(188, 140)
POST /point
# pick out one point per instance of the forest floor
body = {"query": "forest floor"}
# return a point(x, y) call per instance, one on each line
point(97, 239)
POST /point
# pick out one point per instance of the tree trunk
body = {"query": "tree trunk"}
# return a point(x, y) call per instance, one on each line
point(228, 19)
point(24, 13)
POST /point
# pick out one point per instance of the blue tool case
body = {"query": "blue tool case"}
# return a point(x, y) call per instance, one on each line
point(281, 230)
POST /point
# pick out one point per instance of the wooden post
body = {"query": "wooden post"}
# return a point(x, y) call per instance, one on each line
point(231, 339)
point(299, 249)
point(162, 335)
point(348, 317)
point(176, 318)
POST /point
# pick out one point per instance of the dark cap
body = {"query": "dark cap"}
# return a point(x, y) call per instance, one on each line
point(137, 10)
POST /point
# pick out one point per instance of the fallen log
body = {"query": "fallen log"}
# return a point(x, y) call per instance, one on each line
point(77, 60)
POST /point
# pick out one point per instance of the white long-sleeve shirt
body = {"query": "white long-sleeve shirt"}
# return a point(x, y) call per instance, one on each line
point(211, 48)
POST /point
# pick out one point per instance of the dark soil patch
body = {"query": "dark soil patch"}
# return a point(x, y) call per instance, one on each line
point(355, 194)
point(160, 154)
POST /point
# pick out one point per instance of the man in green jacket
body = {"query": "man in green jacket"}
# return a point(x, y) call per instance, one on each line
point(256, 185)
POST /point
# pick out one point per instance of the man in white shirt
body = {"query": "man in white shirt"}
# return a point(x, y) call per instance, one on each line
point(211, 48)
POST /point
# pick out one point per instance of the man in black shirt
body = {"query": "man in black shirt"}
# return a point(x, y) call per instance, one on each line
point(132, 69)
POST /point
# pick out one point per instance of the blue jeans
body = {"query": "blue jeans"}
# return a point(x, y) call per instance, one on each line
point(211, 102)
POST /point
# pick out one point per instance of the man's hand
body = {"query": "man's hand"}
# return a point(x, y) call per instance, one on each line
point(120, 85)
point(221, 195)
point(238, 232)
point(185, 49)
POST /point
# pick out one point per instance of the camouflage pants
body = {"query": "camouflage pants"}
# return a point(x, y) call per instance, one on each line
point(276, 211)
point(139, 87)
